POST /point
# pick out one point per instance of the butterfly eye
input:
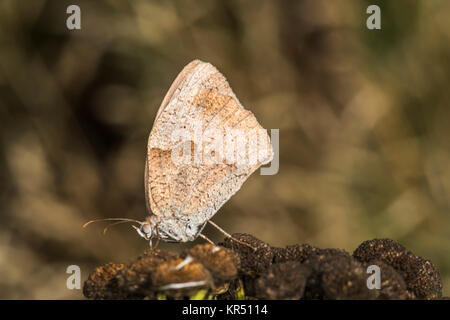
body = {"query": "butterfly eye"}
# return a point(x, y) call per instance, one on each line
point(146, 229)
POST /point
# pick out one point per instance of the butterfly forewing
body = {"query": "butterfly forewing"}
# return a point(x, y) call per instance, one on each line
point(198, 151)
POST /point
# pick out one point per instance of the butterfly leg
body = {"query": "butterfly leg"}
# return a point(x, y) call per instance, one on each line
point(158, 238)
point(203, 236)
point(199, 232)
point(156, 244)
point(230, 236)
point(150, 243)
point(203, 227)
point(206, 238)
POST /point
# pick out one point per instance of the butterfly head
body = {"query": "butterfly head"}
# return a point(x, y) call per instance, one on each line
point(145, 230)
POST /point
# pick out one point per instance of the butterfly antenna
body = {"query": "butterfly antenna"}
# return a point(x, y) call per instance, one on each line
point(113, 224)
point(111, 219)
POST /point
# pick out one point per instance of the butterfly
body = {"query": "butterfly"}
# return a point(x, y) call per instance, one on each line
point(202, 147)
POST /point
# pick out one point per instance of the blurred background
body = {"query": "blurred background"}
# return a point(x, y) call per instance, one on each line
point(363, 117)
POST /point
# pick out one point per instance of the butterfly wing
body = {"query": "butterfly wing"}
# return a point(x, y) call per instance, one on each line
point(202, 148)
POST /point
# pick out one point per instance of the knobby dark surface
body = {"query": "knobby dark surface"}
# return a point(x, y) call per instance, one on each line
point(297, 271)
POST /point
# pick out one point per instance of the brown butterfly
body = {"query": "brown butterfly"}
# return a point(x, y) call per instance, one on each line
point(203, 146)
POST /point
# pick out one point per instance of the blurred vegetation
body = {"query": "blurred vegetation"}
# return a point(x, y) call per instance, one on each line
point(363, 118)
